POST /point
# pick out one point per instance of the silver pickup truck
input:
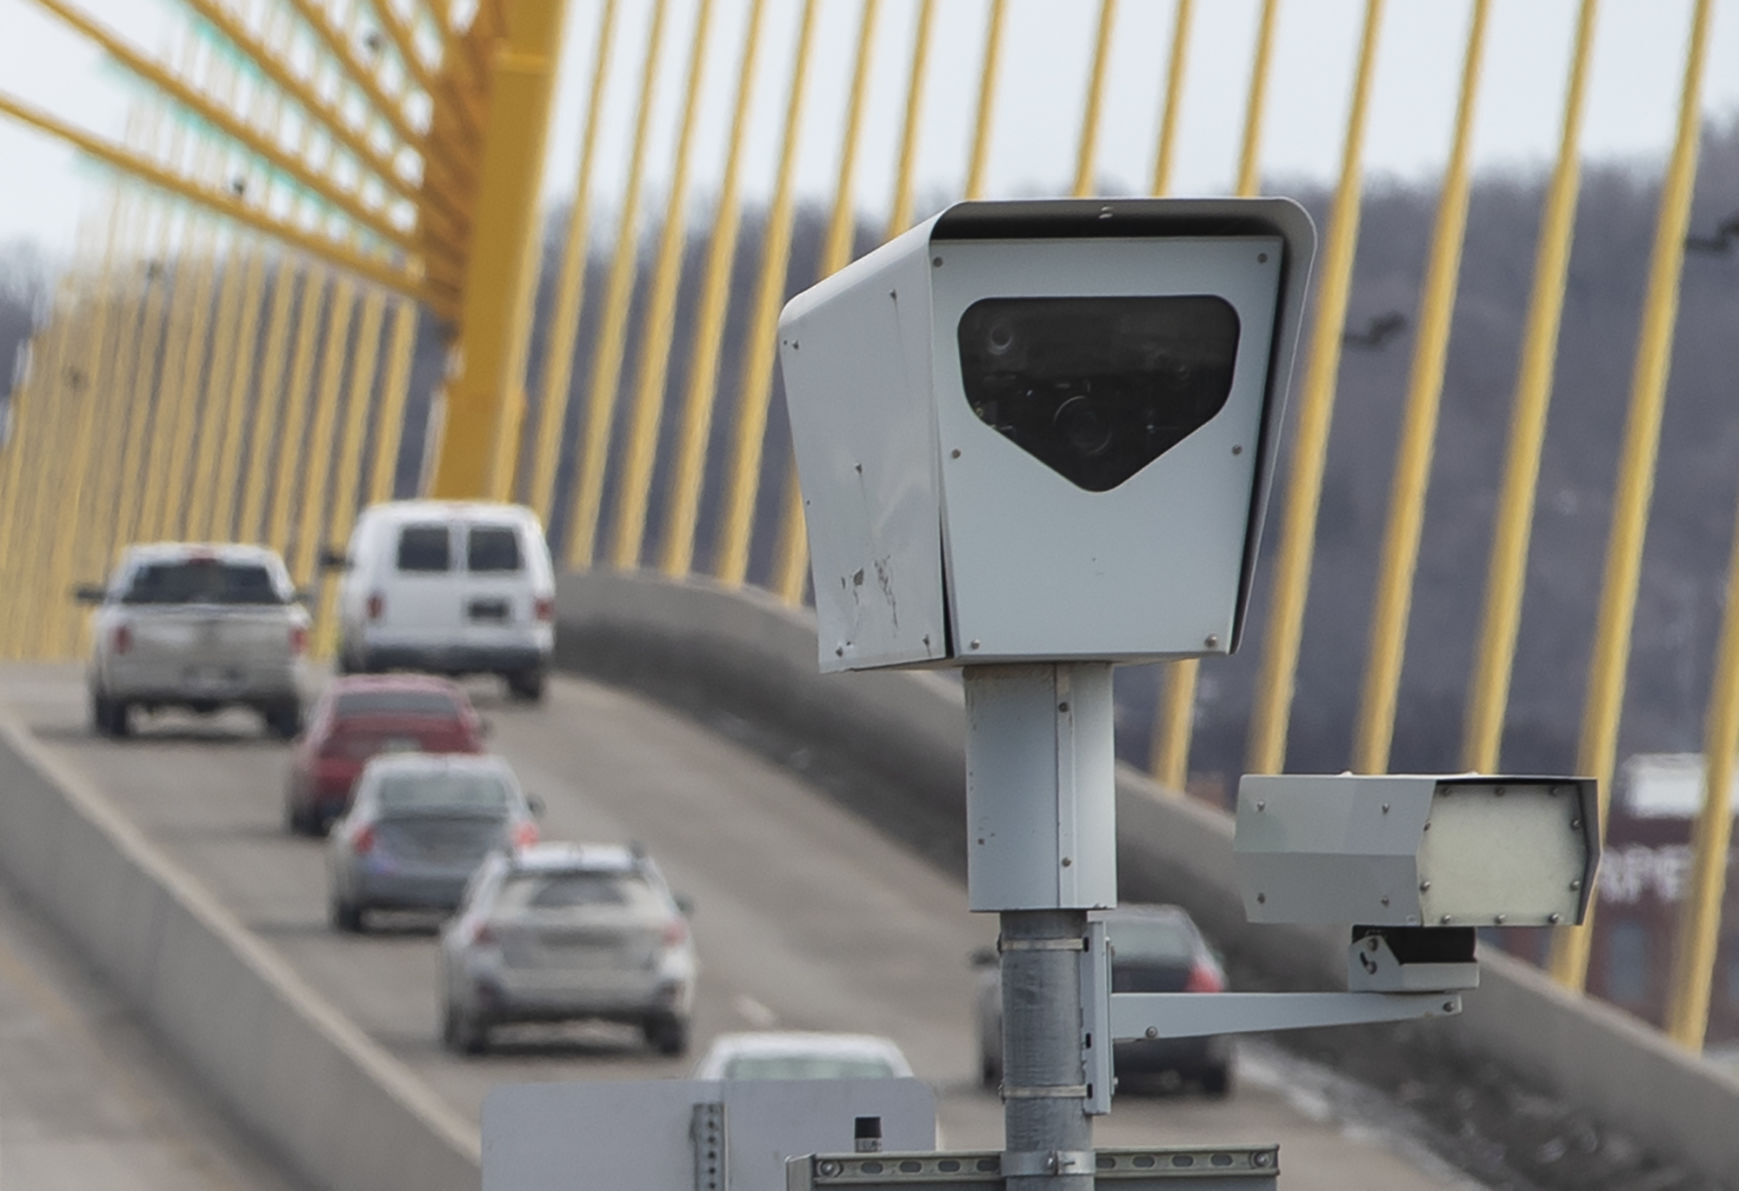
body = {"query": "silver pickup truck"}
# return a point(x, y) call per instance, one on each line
point(200, 627)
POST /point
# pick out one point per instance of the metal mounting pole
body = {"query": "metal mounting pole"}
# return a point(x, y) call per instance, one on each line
point(1042, 851)
point(1047, 1134)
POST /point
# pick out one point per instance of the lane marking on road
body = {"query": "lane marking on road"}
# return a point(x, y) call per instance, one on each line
point(755, 1013)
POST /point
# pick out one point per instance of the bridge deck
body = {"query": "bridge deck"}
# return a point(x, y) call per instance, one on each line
point(805, 918)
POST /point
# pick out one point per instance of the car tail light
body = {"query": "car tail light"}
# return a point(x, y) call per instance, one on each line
point(376, 605)
point(482, 936)
point(675, 931)
point(1205, 978)
point(298, 639)
point(545, 608)
point(363, 842)
point(123, 638)
point(525, 835)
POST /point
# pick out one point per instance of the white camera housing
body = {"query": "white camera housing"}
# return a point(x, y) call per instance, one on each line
point(1044, 430)
point(1464, 851)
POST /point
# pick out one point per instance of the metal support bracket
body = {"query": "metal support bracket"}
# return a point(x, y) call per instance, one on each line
point(1096, 1022)
point(1158, 1168)
point(711, 1160)
point(1199, 1015)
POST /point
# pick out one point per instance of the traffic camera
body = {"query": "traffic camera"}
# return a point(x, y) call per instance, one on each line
point(1043, 431)
point(1469, 851)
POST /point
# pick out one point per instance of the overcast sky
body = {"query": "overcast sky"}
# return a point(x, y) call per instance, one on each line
point(1632, 101)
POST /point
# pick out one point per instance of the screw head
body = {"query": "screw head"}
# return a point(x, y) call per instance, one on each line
point(1213, 640)
point(828, 1167)
point(1497, 919)
point(1554, 919)
point(1385, 901)
point(1259, 1159)
point(1152, 1031)
point(1063, 707)
point(1424, 886)
point(1385, 808)
point(1446, 920)
point(954, 454)
point(1261, 806)
point(1575, 824)
point(1575, 886)
point(1261, 899)
point(975, 643)
point(936, 261)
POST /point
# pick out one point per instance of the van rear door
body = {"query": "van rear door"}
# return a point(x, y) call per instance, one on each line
point(497, 604)
point(421, 603)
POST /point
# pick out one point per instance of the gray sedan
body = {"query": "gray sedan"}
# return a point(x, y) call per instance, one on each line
point(418, 828)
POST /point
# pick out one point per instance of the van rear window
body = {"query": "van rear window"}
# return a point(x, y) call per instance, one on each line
point(492, 548)
point(425, 548)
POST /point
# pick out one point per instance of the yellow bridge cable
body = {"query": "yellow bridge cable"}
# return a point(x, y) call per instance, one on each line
point(606, 371)
point(754, 386)
point(695, 429)
point(386, 166)
point(223, 118)
point(1279, 670)
point(790, 550)
point(1488, 689)
point(1399, 558)
point(564, 323)
point(1604, 701)
point(979, 160)
point(658, 325)
point(220, 202)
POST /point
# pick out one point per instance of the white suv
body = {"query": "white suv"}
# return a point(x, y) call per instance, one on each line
point(449, 588)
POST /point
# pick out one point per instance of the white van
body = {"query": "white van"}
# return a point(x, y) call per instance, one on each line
point(448, 588)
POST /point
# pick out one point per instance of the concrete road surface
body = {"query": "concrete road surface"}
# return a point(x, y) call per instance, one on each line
point(805, 917)
point(86, 1100)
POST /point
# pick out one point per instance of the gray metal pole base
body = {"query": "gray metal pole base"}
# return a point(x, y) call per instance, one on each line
point(1047, 1134)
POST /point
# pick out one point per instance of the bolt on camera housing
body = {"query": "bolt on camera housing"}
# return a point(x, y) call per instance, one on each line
point(1044, 430)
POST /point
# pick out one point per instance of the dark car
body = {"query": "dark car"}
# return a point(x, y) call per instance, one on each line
point(1154, 949)
point(360, 717)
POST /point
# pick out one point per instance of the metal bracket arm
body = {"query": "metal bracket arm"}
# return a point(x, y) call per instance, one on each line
point(1199, 1015)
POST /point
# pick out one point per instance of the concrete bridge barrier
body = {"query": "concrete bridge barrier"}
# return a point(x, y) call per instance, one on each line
point(302, 1080)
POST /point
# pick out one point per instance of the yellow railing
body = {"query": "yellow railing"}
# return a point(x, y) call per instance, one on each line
point(236, 359)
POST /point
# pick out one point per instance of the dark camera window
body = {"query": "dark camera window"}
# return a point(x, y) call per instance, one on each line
point(202, 581)
point(427, 548)
point(492, 548)
point(1098, 388)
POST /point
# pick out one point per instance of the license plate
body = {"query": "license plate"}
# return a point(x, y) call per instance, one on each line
point(209, 680)
point(400, 744)
point(488, 610)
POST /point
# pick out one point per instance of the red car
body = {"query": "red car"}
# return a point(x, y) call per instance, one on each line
point(360, 716)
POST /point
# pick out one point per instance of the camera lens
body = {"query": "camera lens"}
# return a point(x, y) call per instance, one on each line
point(1083, 426)
point(1097, 388)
